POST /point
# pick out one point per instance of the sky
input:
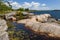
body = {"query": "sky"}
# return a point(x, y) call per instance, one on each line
point(35, 4)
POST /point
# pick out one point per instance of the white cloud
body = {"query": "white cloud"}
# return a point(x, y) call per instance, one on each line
point(6, 4)
point(44, 5)
point(26, 5)
point(36, 4)
point(15, 5)
point(31, 5)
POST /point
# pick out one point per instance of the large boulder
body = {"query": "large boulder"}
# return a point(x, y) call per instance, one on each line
point(51, 29)
point(43, 17)
point(3, 28)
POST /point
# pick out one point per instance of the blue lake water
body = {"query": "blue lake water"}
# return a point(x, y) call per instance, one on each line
point(55, 14)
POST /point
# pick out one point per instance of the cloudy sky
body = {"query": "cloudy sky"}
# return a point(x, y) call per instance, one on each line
point(36, 4)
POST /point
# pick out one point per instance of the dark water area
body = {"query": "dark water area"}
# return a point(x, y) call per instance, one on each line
point(32, 35)
point(20, 26)
point(54, 14)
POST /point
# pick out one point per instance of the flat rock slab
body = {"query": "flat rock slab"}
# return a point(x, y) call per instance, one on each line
point(52, 29)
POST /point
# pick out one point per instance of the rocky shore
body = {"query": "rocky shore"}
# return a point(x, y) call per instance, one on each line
point(42, 24)
point(3, 28)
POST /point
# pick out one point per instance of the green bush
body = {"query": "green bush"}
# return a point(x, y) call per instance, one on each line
point(19, 15)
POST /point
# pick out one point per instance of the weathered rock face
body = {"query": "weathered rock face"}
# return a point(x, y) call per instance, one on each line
point(3, 28)
point(48, 27)
point(52, 29)
point(43, 18)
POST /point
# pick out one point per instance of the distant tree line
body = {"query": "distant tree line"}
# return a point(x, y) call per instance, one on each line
point(22, 9)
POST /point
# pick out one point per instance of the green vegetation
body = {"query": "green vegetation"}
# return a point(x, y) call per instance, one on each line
point(16, 35)
point(10, 25)
point(4, 8)
point(27, 10)
point(22, 9)
point(19, 15)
